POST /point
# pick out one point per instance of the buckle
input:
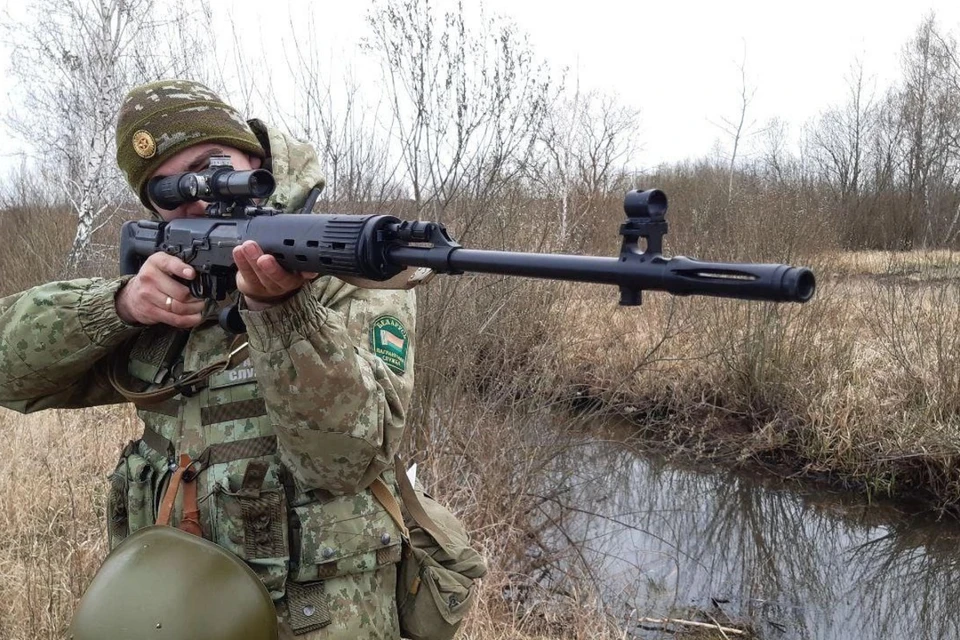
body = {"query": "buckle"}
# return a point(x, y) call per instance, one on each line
point(190, 388)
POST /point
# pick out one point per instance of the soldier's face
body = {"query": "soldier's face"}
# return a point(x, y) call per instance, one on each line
point(196, 158)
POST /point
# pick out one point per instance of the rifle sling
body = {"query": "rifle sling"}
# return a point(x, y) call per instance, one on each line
point(188, 470)
point(406, 279)
point(119, 377)
point(411, 502)
point(191, 512)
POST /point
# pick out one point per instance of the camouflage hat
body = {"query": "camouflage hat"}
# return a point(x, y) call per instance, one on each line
point(159, 119)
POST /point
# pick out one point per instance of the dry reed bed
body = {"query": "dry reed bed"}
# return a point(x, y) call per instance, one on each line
point(52, 494)
point(862, 384)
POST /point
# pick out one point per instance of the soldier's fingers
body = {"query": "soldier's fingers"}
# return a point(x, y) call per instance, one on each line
point(252, 249)
point(172, 265)
point(179, 321)
point(247, 274)
point(177, 307)
point(276, 277)
point(165, 285)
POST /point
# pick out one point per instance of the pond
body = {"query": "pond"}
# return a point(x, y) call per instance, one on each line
point(794, 563)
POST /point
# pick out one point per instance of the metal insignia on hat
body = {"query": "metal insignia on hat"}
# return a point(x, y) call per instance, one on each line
point(144, 144)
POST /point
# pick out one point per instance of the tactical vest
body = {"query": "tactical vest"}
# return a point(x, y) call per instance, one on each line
point(314, 550)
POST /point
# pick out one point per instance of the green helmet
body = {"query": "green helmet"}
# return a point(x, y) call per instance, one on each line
point(163, 583)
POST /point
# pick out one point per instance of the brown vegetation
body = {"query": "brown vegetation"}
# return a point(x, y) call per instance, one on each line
point(861, 386)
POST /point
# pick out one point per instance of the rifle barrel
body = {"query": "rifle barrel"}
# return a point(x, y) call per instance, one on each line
point(678, 275)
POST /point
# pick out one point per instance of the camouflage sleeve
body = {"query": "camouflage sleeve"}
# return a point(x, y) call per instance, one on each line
point(338, 409)
point(52, 338)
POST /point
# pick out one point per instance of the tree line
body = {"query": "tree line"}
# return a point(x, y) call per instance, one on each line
point(466, 117)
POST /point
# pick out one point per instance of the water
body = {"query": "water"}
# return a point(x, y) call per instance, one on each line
point(797, 564)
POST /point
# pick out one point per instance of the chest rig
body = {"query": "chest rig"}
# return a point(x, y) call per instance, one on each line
point(208, 431)
point(210, 460)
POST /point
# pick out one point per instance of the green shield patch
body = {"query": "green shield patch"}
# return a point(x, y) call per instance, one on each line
point(389, 341)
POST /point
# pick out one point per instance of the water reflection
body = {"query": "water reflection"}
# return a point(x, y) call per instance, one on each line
point(798, 565)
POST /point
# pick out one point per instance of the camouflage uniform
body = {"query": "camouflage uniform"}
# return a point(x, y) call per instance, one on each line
point(291, 438)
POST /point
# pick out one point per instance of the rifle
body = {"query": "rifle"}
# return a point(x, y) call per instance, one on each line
point(373, 249)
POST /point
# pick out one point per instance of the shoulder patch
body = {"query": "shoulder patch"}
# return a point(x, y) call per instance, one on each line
point(388, 340)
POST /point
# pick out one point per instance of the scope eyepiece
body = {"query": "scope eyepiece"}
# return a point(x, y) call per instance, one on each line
point(651, 203)
point(218, 183)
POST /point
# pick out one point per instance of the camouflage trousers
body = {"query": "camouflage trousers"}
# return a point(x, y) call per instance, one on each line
point(361, 607)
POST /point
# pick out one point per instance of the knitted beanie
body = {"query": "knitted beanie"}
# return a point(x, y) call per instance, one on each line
point(159, 119)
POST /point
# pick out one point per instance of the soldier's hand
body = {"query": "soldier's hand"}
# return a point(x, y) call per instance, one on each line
point(153, 296)
point(262, 280)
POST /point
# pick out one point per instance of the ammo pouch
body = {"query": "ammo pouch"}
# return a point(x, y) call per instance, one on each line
point(436, 584)
point(130, 501)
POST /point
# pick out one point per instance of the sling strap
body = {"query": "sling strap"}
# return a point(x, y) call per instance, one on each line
point(411, 502)
point(188, 470)
point(189, 384)
point(190, 522)
point(382, 493)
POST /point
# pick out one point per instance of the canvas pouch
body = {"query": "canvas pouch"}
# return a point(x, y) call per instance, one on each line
point(439, 569)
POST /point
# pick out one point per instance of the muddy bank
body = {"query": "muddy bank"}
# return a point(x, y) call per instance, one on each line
point(765, 443)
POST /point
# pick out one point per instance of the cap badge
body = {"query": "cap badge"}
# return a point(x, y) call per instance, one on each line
point(144, 144)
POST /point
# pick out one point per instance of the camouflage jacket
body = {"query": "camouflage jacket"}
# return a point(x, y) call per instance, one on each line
point(290, 438)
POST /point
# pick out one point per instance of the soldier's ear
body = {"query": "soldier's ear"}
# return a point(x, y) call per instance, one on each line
point(255, 161)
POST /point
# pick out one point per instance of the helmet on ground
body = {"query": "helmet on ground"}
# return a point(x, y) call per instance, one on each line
point(162, 583)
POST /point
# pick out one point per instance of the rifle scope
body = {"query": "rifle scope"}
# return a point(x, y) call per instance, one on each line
point(218, 183)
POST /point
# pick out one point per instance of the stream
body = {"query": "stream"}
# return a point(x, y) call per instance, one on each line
point(794, 563)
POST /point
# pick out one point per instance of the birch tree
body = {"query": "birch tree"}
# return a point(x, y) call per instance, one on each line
point(930, 113)
point(586, 142)
point(73, 69)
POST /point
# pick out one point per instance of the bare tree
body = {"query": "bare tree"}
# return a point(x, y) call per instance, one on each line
point(776, 156)
point(738, 128)
point(930, 112)
point(842, 137)
point(467, 102)
point(841, 144)
point(73, 69)
point(587, 141)
point(351, 133)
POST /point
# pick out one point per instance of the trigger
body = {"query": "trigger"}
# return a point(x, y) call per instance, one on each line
point(198, 286)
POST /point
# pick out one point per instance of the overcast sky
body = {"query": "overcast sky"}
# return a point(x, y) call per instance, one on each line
point(677, 61)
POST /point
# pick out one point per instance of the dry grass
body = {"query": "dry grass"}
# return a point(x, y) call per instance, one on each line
point(890, 262)
point(52, 494)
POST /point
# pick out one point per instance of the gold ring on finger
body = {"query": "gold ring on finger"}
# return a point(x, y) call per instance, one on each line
point(169, 303)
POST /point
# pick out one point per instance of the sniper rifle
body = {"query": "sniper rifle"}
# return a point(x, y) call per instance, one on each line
point(378, 248)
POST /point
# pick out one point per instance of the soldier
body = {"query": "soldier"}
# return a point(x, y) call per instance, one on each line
point(272, 458)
